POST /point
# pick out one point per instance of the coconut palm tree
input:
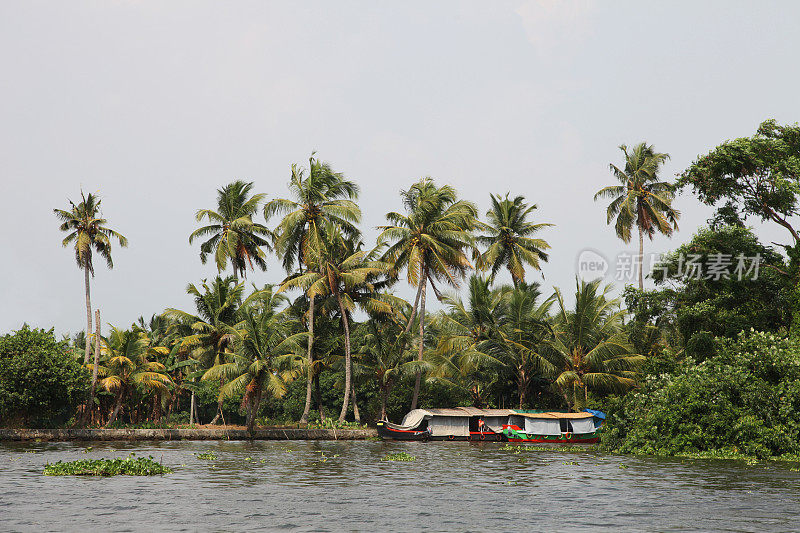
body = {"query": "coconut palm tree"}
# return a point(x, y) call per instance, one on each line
point(336, 267)
point(206, 335)
point(266, 355)
point(232, 234)
point(590, 347)
point(468, 341)
point(126, 366)
point(524, 326)
point(382, 355)
point(640, 199)
point(509, 239)
point(89, 233)
point(429, 242)
point(319, 196)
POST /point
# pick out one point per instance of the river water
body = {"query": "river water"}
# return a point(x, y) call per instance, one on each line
point(335, 486)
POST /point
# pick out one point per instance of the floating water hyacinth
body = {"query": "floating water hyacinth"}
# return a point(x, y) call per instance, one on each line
point(208, 456)
point(401, 456)
point(129, 466)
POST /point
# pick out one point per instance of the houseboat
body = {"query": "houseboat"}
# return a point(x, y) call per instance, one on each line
point(470, 423)
point(553, 427)
point(459, 423)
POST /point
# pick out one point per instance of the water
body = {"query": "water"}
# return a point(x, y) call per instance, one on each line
point(334, 486)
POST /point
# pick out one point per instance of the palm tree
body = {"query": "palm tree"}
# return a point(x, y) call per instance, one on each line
point(429, 242)
point(266, 355)
point(509, 240)
point(640, 199)
point(468, 340)
point(335, 269)
point(126, 366)
point(590, 347)
point(523, 329)
point(381, 353)
point(87, 229)
point(319, 196)
point(206, 335)
point(232, 234)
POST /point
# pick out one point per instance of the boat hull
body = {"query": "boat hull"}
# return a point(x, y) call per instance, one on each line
point(579, 438)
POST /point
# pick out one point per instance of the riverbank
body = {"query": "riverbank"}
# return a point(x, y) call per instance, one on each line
point(216, 433)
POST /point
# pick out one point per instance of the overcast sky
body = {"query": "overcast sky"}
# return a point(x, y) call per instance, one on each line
point(155, 105)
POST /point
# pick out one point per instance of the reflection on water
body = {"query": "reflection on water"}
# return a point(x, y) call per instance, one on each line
point(332, 486)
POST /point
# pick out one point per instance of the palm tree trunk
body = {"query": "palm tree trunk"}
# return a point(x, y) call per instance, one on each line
point(384, 394)
point(193, 411)
point(416, 305)
point(310, 361)
point(116, 408)
point(641, 256)
point(252, 411)
point(318, 395)
point(424, 282)
point(90, 406)
point(356, 414)
point(88, 312)
point(347, 367)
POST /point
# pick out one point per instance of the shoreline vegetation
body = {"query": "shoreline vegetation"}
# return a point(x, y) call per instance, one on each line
point(704, 365)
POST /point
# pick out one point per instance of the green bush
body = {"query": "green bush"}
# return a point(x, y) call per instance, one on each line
point(744, 400)
point(40, 382)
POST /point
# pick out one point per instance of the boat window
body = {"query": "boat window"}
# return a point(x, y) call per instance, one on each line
point(566, 425)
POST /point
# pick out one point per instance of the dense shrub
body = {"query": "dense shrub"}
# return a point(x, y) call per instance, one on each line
point(744, 399)
point(40, 381)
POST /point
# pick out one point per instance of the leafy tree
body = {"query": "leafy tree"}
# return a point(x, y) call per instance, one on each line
point(755, 176)
point(265, 357)
point(40, 382)
point(320, 197)
point(509, 239)
point(722, 300)
point(590, 348)
point(232, 234)
point(640, 199)
point(88, 232)
point(429, 242)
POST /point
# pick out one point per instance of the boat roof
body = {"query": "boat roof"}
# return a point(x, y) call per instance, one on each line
point(468, 411)
point(555, 415)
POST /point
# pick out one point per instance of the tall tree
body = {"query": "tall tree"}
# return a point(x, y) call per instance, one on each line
point(509, 239)
point(640, 199)
point(335, 270)
point(430, 243)
point(89, 233)
point(319, 196)
point(232, 234)
point(590, 348)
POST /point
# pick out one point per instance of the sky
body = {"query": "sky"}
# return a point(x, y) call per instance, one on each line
point(155, 105)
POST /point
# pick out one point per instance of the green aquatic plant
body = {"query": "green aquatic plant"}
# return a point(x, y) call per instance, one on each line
point(400, 456)
point(129, 466)
point(207, 456)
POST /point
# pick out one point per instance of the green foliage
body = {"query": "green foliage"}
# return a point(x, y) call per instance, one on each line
point(400, 456)
point(40, 382)
point(742, 400)
point(129, 466)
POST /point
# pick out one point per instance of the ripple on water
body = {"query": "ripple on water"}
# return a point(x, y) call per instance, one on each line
point(345, 485)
